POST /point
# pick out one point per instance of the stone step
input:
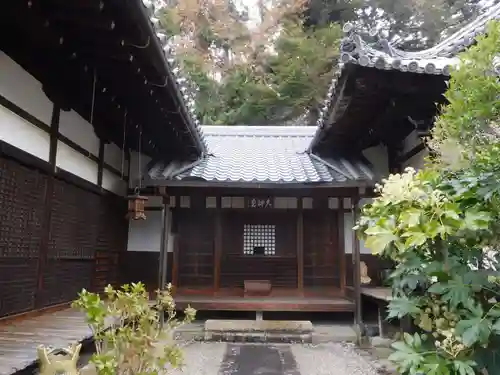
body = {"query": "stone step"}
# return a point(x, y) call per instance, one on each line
point(273, 331)
point(321, 333)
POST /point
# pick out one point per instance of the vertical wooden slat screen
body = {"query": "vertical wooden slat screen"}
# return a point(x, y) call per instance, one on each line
point(87, 233)
point(21, 214)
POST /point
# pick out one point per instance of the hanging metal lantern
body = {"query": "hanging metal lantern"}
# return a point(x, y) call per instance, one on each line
point(136, 205)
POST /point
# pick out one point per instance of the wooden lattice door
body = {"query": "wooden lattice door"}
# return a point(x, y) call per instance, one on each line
point(321, 250)
point(195, 248)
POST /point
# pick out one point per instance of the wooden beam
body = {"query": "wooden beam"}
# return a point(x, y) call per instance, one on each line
point(218, 244)
point(300, 248)
point(411, 153)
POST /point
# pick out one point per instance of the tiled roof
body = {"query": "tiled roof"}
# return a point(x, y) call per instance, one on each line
point(186, 97)
point(436, 60)
point(264, 154)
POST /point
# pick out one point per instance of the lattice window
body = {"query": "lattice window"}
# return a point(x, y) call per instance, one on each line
point(259, 239)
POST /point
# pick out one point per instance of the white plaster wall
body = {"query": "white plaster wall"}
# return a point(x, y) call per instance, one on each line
point(114, 183)
point(115, 157)
point(417, 161)
point(349, 232)
point(137, 167)
point(377, 155)
point(21, 134)
point(24, 90)
point(154, 201)
point(79, 130)
point(76, 163)
point(145, 235)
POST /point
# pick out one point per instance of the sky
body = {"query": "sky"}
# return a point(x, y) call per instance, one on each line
point(253, 10)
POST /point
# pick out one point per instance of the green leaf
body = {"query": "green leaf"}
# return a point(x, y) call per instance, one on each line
point(405, 356)
point(454, 291)
point(411, 217)
point(416, 239)
point(464, 368)
point(401, 307)
point(489, 358)
point(473, 331)
point(477, 220)
point(496, 327)
point(378, 239)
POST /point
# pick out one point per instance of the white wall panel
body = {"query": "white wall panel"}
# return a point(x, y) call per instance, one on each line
point(76, 163)
point(145, 235)
point(21, 88)
point(416, 161)
point(348, 232)
point(378, 157)
point(21, 134)
point(114, 156)
point(137, 169)
point(113, 183)
point(76, 128)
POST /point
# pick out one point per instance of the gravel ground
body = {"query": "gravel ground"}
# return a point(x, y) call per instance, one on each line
point(331, 359)
point(202, 358)
point(265, 359)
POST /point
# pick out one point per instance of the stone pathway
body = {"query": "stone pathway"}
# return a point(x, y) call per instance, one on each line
point(273, 359)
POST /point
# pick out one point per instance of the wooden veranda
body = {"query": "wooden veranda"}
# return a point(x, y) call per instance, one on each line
point(310, 300)
point(56, 328)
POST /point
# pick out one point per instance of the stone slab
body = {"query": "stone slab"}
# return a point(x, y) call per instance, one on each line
point(325, 333)
point(267, 326)
point(258, 337)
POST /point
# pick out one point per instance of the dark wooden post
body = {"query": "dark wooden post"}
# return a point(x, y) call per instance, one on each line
point(49, 193)
point(217, 244)
point(341, 244)
point(300, 248)
point(163, 261)
point(356, 257)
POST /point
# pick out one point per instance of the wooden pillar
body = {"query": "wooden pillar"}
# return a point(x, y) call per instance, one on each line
point(175, 257)
point(341, 244)
point(217, 244)
point(356, 257)
point(165, 237)
point(49, 193)
point(300, 248)
point(163, 261)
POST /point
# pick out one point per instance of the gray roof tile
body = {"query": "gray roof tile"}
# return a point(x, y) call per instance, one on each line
point(436, 60)
point(264, 154)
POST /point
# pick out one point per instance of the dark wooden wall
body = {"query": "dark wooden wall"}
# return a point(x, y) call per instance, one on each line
point(195, 243)
point(56, 236)
point(280, 269)
point(322, 267)
point(143, 266)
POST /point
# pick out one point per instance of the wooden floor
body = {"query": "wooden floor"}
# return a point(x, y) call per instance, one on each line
point(20, 338)
point(311, 300)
